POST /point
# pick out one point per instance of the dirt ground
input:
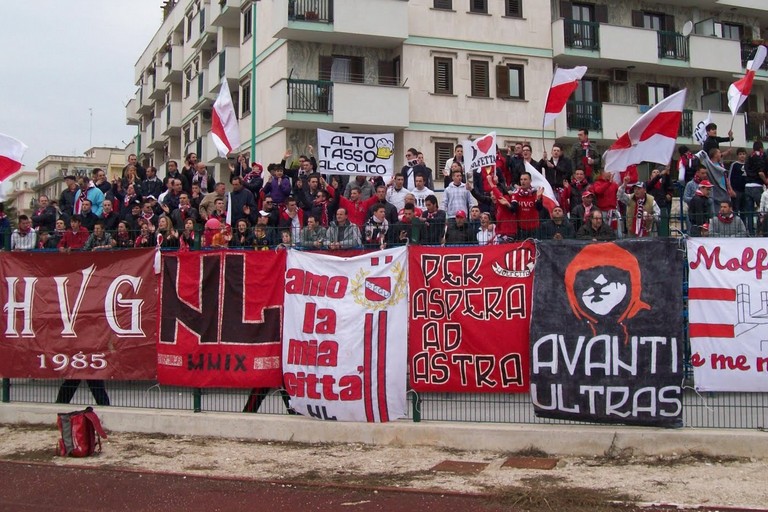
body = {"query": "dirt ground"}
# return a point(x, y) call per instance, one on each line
point(575, 484)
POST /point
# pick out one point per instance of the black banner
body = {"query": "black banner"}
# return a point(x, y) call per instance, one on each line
point(606, 342)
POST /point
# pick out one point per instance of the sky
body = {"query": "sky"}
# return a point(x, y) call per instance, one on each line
point(61, 58)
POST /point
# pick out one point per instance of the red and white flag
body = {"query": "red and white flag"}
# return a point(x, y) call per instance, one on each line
point(11, 152)
point(225, 131)
point(564, 83)
point(740, 89)
point(651, 139)
point(549, 199)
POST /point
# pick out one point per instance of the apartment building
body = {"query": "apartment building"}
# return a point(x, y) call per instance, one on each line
point(19, 193)
point(52, 169)
point(434, 72)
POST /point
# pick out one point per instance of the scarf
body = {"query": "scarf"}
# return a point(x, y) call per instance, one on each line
point(128, 199)
point(640, 228)
point(585, 158)
point(323, 205)
point(725, 220)
point(525, 192)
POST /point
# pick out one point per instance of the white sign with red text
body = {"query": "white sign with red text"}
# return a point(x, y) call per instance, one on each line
point(728, 311)
point(345, 335)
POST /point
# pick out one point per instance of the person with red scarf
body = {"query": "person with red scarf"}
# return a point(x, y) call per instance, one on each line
point(642, 210)
point(574, 190)
point(506, 220)
point(726, 224)
point(660, 187)
point(687, 165)
point(526, 205)
point(606, 190)
point(585, 155)
point(45, 214)
point(24, 238)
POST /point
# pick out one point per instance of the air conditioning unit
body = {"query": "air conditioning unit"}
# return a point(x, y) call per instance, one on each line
point(711, 84)
point(619, 76)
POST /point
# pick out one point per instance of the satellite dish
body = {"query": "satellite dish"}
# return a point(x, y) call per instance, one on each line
point(687, 28)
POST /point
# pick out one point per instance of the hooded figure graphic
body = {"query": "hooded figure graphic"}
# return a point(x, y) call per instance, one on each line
point(603, 286)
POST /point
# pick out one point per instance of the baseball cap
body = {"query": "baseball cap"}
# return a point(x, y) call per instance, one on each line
point(258, 166)
point(706, 184)
point(461, 214)
point(639, 184)
point(587, 193)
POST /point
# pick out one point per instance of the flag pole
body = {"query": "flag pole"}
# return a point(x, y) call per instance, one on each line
point(546, 100)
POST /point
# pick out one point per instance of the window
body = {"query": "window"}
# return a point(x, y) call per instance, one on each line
point(478, 6)
point(651, 94)
point(513, 8)
point(187, 135)
point(389, 72)
point(731, 31)
point(480, 80)
point(245, 97)
point(188, 74)
point(342, 68)
point(653, 21)
point(443, 152)
point(188, 19)
point(443, 75)
point(510, 81)
point(247, 22)
point(443, 4)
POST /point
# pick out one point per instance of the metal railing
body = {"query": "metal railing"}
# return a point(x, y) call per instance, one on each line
point(672, 45)
point(584, 115)
point(310, 10)
point(757, 126)
point(313, 96)
point(582, 35)
point(686, 124)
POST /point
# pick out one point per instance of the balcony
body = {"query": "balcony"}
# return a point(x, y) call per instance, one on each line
point(225, 63)
point(204, 32)
point(582, 35)
point(600, 45)
point(170, 120)
point(346, 22)
point(145, 105)
point(153, 141)
point(606, 120)
point(131, 115)
point(757, 126)
point(303, 103)
point(748, 49)
point(672, 45)
point(225, 13)
point(171, 68)
point(205, 97)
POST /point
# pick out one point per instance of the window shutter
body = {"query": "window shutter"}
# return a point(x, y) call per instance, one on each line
point(443, 152)
point(478, 6)
point(601, 13)
point(325, 67)
point(443, 4)
point(565, 10)
point(514, 8)
point(502, 82)
point(479, 78)
point(637, 19)
point(443, 78)
point(357, 70)
point(642, 94)
point(669, 23)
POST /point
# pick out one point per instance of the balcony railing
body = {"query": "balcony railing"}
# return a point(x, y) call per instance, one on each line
point(584, 115)
point(748, 49)
point(672, 45)
point(310, 10)
point(582, 35)
point(757, 126)
point(686, 125)
point(314, 96)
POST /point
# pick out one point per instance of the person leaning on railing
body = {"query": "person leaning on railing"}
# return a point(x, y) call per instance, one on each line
point(342, 234)
point(596, 229)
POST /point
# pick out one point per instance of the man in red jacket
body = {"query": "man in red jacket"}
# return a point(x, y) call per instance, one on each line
point(605, 189)
point(75, 237)
point(506, 220)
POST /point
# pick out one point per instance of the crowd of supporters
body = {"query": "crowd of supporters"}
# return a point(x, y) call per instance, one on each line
point(286, 205)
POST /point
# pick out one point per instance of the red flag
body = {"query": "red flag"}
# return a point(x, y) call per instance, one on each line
point(740, 89)
point(11, 151)
point(564, 83)
point(225, 131)
point(549, 200)
point(651, 139)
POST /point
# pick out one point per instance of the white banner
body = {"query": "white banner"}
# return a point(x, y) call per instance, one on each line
point(728, 313)
point(700, 132)
point(345, 335)
point(480, 152)
point(366, 154)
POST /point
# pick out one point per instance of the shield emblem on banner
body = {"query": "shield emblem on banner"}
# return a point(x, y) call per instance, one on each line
point(378, 289)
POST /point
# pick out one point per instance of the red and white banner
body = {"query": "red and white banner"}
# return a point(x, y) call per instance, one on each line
point(470, 318)
point(83, 316)
point(739, 91)
point(220, 319)
point(480, 153)
point(564, 82)
point(651, 138)
point(539, 181)
point(728, 313)
point(225, 130)
point(344, 339)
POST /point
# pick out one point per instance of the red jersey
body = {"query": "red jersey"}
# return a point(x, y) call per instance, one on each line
point(527, 214)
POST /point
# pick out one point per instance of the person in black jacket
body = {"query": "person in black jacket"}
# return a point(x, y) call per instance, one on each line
point(713, 141)
point(699, 209)
point(45, 214)
point(755, 170)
